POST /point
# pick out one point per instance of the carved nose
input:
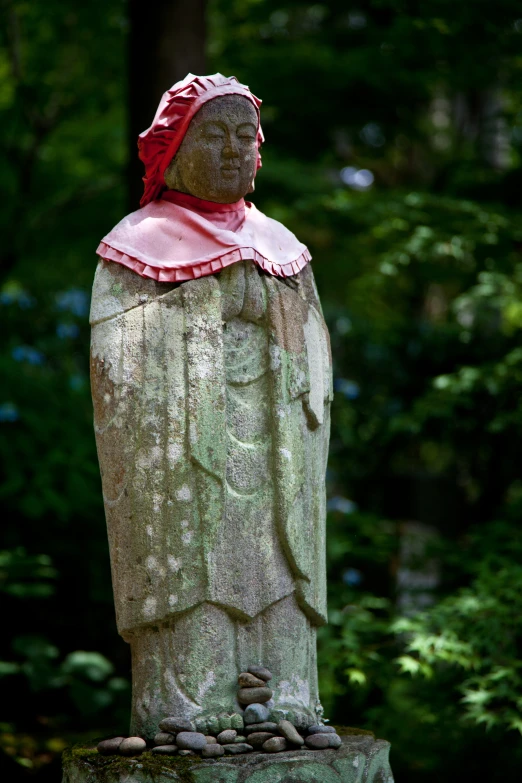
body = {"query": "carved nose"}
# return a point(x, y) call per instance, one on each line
point(231, 150)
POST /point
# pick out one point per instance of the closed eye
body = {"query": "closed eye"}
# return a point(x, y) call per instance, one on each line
point(247, 131)
point(213, 131)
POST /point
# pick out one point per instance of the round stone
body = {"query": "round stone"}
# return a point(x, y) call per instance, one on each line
point(212, 751)
point(317, 728)
point(211, 740)
point(239, 738)
point(265, 726)
point(335, 741)
point(289, 732)
point(261, 672)
point(247, 680)
point(174, 724)
point(318, 741)
point(274, 745)
point(256, 713)
point(165, 750)
point(132, 746)
point(187, 753)
point(164, 738)
point(254, 695)
point(109, 747)
point(257, 738)
point(226, 737)
point(237, 748)
point(191, 740)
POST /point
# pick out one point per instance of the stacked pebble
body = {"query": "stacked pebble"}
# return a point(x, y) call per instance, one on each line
point(275, 737)
point(177, 736)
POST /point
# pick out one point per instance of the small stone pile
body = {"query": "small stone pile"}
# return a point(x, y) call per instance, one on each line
point(253, 688)
point(267, 737)
point(177, 735)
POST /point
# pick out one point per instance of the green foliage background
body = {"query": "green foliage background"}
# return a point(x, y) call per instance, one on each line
point(420, 276)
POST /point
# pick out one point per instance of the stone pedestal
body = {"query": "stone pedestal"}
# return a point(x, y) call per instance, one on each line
point(360, 759)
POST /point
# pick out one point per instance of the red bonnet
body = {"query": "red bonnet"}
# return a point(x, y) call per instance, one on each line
point(159, 143)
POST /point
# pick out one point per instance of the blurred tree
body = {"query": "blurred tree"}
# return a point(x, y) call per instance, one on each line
point(62, 151)
point(166, 41)
point(383, 119)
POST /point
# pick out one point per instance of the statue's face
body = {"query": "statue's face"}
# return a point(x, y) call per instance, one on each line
point(217, 158)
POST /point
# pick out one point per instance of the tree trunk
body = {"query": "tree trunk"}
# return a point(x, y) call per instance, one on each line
point(166, 41)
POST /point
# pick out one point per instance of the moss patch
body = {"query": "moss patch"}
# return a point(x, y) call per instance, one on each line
point(346, 731)
point(107, 767)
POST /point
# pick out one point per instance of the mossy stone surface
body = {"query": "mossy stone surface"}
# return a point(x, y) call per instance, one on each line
point(211, 403)
point(361, 759)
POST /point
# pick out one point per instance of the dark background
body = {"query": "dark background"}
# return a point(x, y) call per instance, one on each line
point(394, 142)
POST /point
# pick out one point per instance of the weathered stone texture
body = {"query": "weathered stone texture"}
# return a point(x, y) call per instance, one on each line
point(218, 169)
point(211, 407)
point(360, 759)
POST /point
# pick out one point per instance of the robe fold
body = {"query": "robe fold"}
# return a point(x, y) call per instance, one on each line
point(159, 381)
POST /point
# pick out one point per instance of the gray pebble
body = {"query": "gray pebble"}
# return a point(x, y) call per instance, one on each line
point(237, 748)
point(109, 746)
point(255, 713)
point(289, 732)
point(190, 740)
point(211, 740)
point(132, 746)
point(254, 695)
point(212, 751)
point(173, 725)
point(265, 726)
point(319, 729)
point(187, 753)
point(261, 672)
point(164, 738)
point(247, 680)
point(275, 745)
point(318, 741)
point(165, 750)
point(257, 738)
point(226, 737)
point(335, 741)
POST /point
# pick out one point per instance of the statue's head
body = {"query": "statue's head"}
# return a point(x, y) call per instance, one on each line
point(204, 140)
point(217, 159)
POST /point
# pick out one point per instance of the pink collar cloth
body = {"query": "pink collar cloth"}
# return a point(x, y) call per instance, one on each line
point(180, 237)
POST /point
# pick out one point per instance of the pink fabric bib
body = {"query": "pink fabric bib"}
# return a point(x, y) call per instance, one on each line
point(180, 237)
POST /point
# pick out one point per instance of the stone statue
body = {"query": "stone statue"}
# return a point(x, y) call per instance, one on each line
point(211, 382)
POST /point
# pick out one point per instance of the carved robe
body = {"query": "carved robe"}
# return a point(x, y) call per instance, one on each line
point(211, 407)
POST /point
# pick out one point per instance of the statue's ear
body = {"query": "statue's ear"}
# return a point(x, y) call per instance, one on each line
point(171, 175)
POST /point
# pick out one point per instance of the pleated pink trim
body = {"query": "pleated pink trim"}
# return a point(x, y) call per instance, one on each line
point(202, 269)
